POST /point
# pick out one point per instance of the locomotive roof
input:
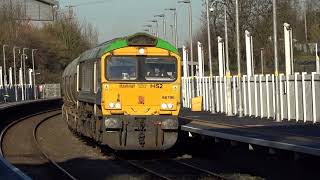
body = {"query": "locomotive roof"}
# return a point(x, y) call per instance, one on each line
point(138, 39)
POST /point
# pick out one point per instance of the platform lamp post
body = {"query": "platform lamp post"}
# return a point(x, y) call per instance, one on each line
point(21, 76)
point(163, 24)
point(262, 60)
point(317, 57)
point(276, 69)
point(4, 68)
point(191, 43)
point(209, 35)
point(175, 24)
point(24, 57)
point(172, 33)
point(238, 59)
point(15, 71)
point(34, 75)
point(210, 8)
point(157, 26)
point(229, 113)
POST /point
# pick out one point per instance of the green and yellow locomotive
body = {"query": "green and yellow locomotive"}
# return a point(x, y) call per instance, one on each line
point(125, 93)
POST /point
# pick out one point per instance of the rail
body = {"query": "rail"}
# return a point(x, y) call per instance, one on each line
point(61, 169)
point(11, 112)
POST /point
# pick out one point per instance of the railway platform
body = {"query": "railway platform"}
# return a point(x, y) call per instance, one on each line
point(8, 171)
point(13, 104)
point(286, 135)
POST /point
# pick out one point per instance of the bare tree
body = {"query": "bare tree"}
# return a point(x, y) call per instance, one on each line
point(57, 42)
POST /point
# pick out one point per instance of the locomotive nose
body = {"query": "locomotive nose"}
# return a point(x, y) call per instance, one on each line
point(140, 132)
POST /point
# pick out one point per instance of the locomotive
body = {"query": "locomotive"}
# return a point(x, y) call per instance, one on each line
point(125, 93)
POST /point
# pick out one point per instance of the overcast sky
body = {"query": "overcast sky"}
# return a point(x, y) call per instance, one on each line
point(116, 18)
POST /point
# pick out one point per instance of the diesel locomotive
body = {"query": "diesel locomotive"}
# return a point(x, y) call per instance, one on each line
point(125, 93)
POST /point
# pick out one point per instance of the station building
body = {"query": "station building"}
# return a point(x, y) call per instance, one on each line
point(35, 10)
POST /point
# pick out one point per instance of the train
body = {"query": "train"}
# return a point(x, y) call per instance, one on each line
point(125, 93)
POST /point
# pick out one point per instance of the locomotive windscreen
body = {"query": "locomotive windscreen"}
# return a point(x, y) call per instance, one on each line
point(132, 68)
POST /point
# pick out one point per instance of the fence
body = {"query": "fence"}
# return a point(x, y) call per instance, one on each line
point(49, 90)
point(8, 93)
point(299, 95)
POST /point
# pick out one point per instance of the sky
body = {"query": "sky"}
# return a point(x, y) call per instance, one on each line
point(114, 18)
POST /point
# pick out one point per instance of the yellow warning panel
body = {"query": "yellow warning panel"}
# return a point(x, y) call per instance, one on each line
point(196, 104)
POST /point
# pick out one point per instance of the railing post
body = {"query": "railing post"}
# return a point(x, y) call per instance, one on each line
point(225, 94)
point(244, 94)
point(304, 97)
point(255, 96)
point(318, 58)
point(268, 95)
point(248, 39)
point(249, 95)
point(229, 94)
point(220, 57)
point(274, 94)
point(235, 80)
point(212, 94)
point(200, 60)
point(260, 96)
point(206, 80)
point(21, 84)
point(1, 78)
point(288, 97)
point(221, 97)
point(296, 96)
point(314, 103)
point(288, 48)
point(281, 96)
point(217, 93)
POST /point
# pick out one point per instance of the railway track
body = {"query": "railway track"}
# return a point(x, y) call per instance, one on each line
point(165, 167)
point(34, 151)
point(173, 169)
point(44, 153)
point(37, 152)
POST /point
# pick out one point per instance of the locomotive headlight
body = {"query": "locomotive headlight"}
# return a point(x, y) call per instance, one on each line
point(170, 106)
point(118, 105)
point(111, 105)
point(141, 51)
point(164, 106)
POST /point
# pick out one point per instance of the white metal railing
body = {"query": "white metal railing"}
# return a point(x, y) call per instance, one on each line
point(11, 90)
point(299, 95)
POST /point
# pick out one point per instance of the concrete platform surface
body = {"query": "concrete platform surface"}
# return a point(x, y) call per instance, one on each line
point(4, 106)
point(287, 135)
point(8, 171)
